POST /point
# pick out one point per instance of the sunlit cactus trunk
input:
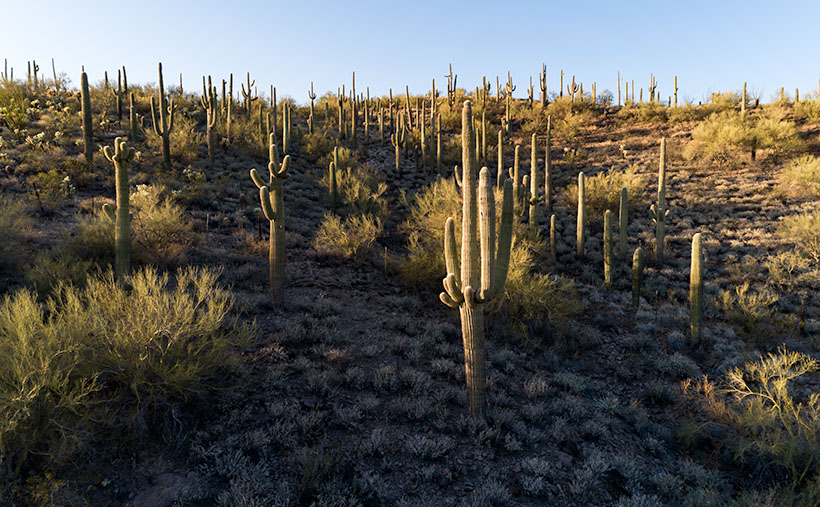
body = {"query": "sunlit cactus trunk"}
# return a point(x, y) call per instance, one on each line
point(659, 213)
point(88, 134)
point(164, 123)
point(696, 289)
point(270, 195)
point(121, 156)
point(481, 276)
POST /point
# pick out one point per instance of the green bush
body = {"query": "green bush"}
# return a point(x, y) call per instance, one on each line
point(807, 111)
point(764, 420)
point(185, 141)
point(801, 178)
point(750, 312)
point(15, 226)
point(360, 189)
point(160, 231)
point(103, 360)
point(52, 268)
point(602, 191)
point(804, 231)
point(350, 238)
point(50, 189)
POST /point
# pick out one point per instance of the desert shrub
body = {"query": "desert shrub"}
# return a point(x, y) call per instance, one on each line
point(762, 420)
point(723, 138)
point(350, 238)
point(650, 113)
point(749, 311)
point(317, 145)
point(15, 225)
point(103, 358)
point(13, 106)
point(160, 231)
point(602, 191)
point(53, 268)
point(50, 189)
point(801, 178)
point(185, 141)
point(807, 111)
point(804, 231)
point(360, 189)
point(784, 267)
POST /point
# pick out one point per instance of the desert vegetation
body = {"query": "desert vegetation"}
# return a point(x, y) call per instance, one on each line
point(458, 297)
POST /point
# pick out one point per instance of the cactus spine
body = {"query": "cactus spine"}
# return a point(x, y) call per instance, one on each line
point(481, 276)
point(579, 231)
point(659, 213)
point(270, 195)
point(88, 133)
point(637, 276)
point(623, 220)
point(165, 125)
point(120, 157)
point(608, 249)
point(696, 289)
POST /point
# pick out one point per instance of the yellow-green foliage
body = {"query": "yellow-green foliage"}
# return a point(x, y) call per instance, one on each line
point(350, 238)
point(804, 231)
point(653, 113)
point(52, 268)
point(807, 111)
point(50, 189)
point(528, 295)
point(186, 141)
point(160, 231)
point(801, 178)
point(15, 225)
point(764, 418)
point(785, 268)
point(749, 311)
point(602, 191)
point(726, 138)
point(361, 189)
point(13, 106)
point(103, 360)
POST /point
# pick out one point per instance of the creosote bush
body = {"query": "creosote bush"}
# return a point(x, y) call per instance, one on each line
point(766, 420)
point(804, 231)
point(186, 141)
point(351, 237)
point(603, 190)
point(160, 231)
point(361, 189)
point(749, 311)
point(801, 177)
point(101, 360)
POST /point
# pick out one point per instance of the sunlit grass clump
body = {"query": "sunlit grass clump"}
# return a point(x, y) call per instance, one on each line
point(105, 360)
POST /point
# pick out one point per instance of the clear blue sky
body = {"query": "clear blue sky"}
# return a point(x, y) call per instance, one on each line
point(711, 46)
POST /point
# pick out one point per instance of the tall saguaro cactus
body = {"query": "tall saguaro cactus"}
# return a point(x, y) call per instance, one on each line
point(88, 132)
point(696, 289)
point(209, 103)
point(481, 276)
point(579, 232)
point(165, 123)
point(273, 205)
point(623, 221)
point(659, 213)
point(121, 156)
point(608, 261)
point(534, 198)
point(548, 167)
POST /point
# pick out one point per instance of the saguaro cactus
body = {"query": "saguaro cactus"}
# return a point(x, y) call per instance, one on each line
point(500, 173)
point(165, 125)
point(132, 118)
point(332, 184)
point(553, 239)
point(623, 221)
point(481, 276)
point(696, 289)
point(398, 142)
point(118, 95)
point(88, 133)
point(534, 198)
point(659, 213)
point(247, 95)
point(637, 276)
point(542, 84)
point(270, 195)
point(608, 249)
point(548, 167)
point(311, 118)
point(209, 103)
point(121, 156)
point(579, 231)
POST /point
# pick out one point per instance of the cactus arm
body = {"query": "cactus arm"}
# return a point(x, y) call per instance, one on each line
point(469, 232)
point(258, 179)
point(447, 300)
point(154, 122)
point(264, 197)
point(457, 176)
point(109, 211)
point(505, 234)
point(451, 250)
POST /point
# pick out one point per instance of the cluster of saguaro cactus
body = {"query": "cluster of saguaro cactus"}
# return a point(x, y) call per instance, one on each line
point(164, 124)
point(209, 103)
point(88, 133)
point(480, 277)
point(659, 213)
point(273, 206)
point(121, 156)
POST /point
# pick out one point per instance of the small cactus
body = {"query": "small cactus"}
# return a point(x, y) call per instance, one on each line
point(553, 239)
point(579, 231)
point(121, 156)
point(696, 289)
point(271, 198)
point(637, 276)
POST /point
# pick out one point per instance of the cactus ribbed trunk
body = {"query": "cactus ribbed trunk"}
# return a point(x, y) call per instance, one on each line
point(660, 212)
point(500, 174)
point(579, 232)
point(88, 134)
point(132, 118)
point(276, 254)
point(472, 331)
point(608, 261)
point(164, 122)
point(548, 167)
point(696, 289)
point(534, 197)
point(637, 276)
